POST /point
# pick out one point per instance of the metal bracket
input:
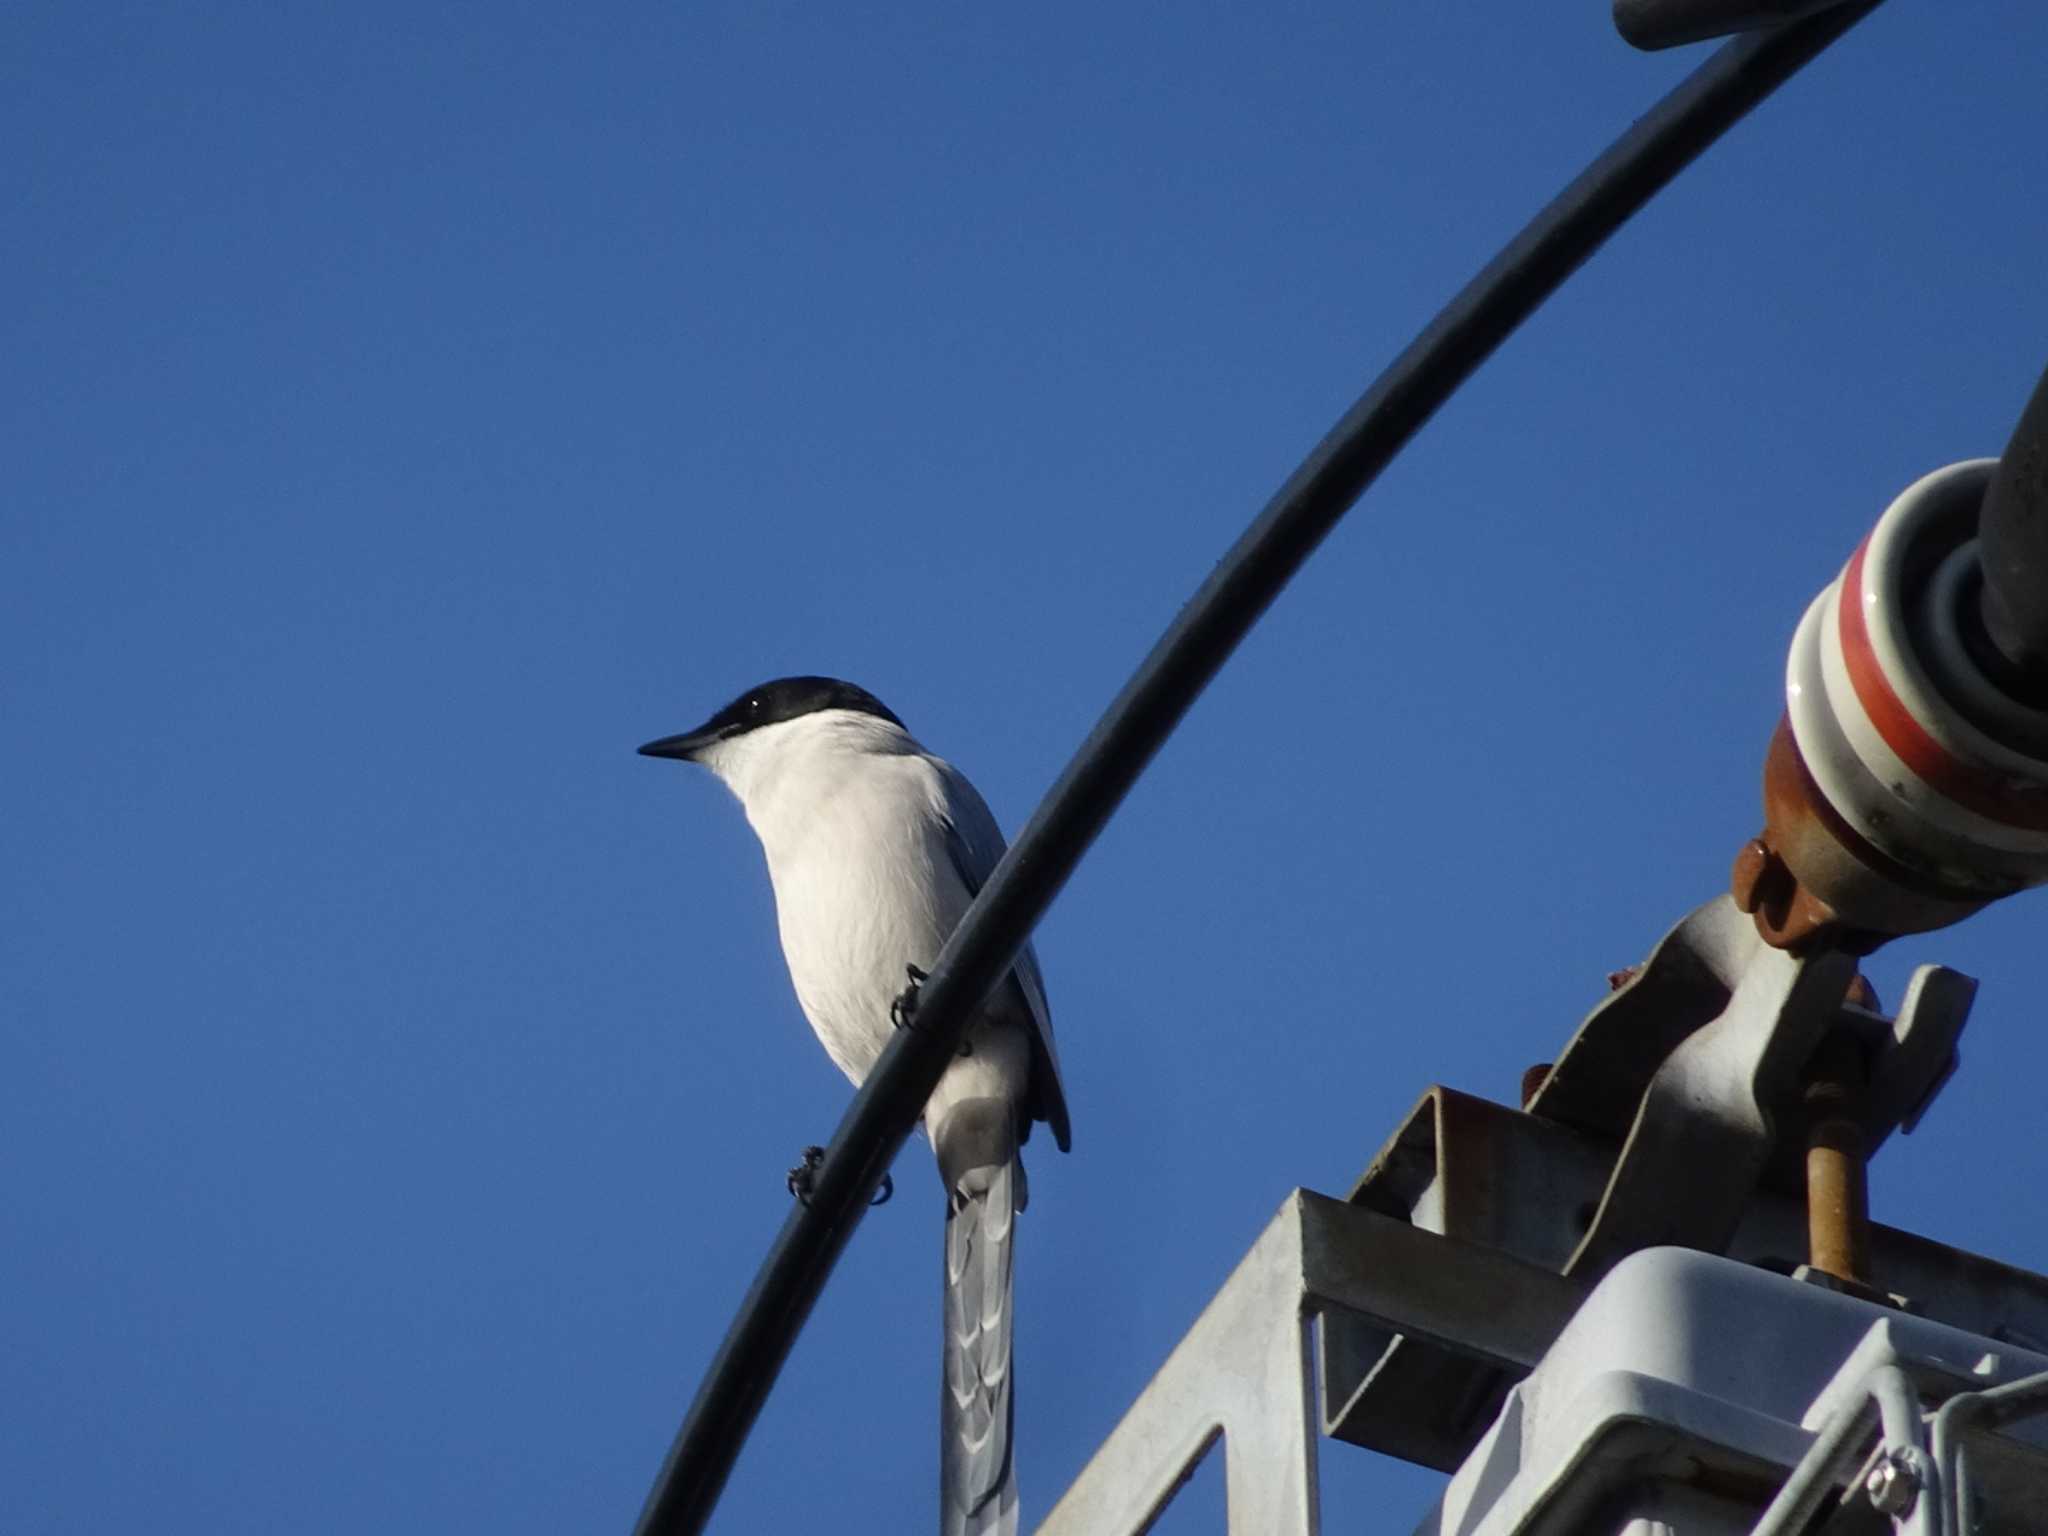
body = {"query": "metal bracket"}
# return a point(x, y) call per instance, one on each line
point(1706, 1126)
point(1947, 1471)
point(1693, 1063)
point(1703, 1047)
point(1241, 1375)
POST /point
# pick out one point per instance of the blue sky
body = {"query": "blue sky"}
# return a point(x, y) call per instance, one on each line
point(409, 409)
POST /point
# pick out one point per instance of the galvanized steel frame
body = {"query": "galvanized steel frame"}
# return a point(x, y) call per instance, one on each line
point(1242, 1374)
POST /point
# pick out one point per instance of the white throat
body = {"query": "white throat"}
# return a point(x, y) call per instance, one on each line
point(789, 770)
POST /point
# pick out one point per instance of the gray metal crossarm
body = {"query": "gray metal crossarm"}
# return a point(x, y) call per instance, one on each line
point(1242, 1373)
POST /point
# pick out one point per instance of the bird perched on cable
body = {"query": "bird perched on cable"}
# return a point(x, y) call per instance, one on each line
point(875, 849)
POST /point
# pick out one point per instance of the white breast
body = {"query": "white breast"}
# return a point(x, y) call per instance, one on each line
point(863, 890)
point(848, 810)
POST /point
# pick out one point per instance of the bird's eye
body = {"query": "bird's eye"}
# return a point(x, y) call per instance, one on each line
point(754, 705)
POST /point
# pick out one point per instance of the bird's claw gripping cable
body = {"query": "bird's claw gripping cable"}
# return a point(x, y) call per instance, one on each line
point(802, 1174)
point(903, 1012)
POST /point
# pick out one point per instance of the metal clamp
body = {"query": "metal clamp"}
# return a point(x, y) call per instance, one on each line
point(1705, 1047)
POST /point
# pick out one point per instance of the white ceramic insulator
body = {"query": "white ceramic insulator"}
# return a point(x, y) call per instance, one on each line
point(1874, 687)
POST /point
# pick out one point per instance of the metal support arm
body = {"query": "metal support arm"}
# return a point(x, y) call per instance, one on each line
point(1242, 1373)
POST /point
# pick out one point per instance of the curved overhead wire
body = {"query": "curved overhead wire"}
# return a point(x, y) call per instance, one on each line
point(1193, 649)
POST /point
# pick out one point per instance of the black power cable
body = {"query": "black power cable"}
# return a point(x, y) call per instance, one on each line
point(1188, 655)
point(1667, 23)
point(2012, 533)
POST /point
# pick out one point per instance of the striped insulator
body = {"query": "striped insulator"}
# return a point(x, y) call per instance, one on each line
point(1927, 760)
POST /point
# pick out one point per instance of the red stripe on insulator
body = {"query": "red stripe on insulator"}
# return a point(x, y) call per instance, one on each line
point(1968, 785)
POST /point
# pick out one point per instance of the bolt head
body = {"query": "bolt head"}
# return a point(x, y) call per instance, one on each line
point(1894, 1483)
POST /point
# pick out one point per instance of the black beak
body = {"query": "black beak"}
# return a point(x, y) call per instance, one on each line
point(683, 748)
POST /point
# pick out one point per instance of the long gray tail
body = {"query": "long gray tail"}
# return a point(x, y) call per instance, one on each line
point(985, 1190)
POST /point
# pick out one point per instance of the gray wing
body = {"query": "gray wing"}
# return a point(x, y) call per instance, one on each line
point(975, 844)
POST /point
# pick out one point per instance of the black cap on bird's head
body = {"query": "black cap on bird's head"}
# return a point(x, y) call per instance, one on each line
point(785, 698)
